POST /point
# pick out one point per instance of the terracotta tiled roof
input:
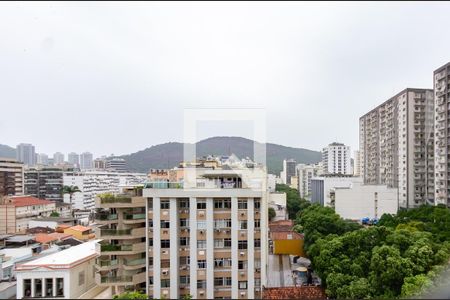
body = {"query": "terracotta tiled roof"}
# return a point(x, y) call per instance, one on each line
point(44, 238)
point(300, 292)
point(28, 201)
point(283, 235)
point(80, 228)
point(281, 225)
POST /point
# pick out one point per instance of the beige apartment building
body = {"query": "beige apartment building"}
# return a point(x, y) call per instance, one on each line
point(397, 146)
point(442, 132)
point(205, 236)
point(11, 177)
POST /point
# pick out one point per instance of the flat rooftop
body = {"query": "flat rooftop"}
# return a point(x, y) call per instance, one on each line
point(65, 258)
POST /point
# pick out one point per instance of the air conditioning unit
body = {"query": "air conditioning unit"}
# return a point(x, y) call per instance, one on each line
point(242, 273)
point(183, 267)
point(165, 272)
point(165, 292)
point(202, 231)
point(201, 293)
point(257, 270)
point(201, 213)
point(242, 234)
point(242, 294)
point(242, 214)
point(242, 253)
point(165, 252)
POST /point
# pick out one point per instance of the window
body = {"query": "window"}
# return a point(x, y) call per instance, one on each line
point(228, 281)
point(184, 203)
point(258, 223)
point(257, 264)
point(201, 224)
point(242, 264)
point(185, 260)
point(165, 224)
point(201, 284)
point(184, 222)
point(150, 280)
point(222, 262)
point(222, 203)
point(165, 204)
point(243, 224)
point(150, 242)
point(218, 243)
point(242, 245)
point(242, 285)
point(27, 288)
point(150, 223)
point(81, 278)
point(257, 243)
point(257, 204)
point(222, 223)
point(242, 204)
point(184, 279)
point(60, 287)
point(201, 204)
point(222, 281)
point(150, 261)
point(201, 244)
point(165, 283)
point(165, 243)
point(184, 241)
point(257, 282)
point(227, 243)
point(201, 264)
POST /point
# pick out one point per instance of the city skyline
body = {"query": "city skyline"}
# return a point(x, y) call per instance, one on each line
point(304, 72)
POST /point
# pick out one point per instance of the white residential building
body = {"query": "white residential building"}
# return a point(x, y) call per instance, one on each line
point(58, 158)
point(305, 173)
point(68, 274)
point(360, 201)
point(323, 188)
point(26, 154)
point(42, 159)
point(86, 161)
point(73, 159)
point(288, 170)
point(336, 159)
point(357, 164)
point(92, 183)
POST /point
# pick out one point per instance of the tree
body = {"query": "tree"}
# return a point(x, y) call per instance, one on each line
point(54, 214)
point(272, 213)
point(131, 295)
point(293, 201)
point(70, 190)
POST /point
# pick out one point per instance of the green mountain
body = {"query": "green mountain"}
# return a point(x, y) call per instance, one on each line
point(7, 151)
point(169, 155)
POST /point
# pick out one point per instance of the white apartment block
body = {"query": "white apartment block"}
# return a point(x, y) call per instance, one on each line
point(396, 146)
point(357, 164)
point(92, 183)
point(205, 237)
point(336, 159)
point(305, 173)
point(442, 123)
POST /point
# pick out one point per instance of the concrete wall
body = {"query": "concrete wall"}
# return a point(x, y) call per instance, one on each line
point(291, 247)
point(365, 201)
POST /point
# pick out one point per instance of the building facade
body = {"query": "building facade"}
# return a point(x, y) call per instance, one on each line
point(336, 159)
point(45, 183)
point(305, 173)
point(288, 170)
point(58, 158)
point(357, 163)
point(205, 237)
point(73, 159)
point(86, 161)
point(397, 146)
point(26, 154)
point(42, 159)
point(116, 164)
point(442, 133)
point(11, 177)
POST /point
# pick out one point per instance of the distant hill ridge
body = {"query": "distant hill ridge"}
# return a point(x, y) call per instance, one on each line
point(169, 155)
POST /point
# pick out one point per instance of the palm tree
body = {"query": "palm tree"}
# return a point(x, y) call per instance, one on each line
point(70, 190)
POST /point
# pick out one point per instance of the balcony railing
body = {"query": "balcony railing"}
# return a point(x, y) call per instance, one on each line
point(163, 185)
point(106, 263)
point(114, 199)
point(111, 248)
point(106, 217)
point(116, 279)
point(134, 262)
point(134, 216)
point(104, 232)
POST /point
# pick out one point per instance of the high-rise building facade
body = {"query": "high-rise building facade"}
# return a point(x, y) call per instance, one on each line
point(336, 159)
point(442, 134)
point(397, 146)
point(289, 170)
point(44, 183)
point(116, 164)
point(357, 163)
point(11, 177)
point(205, 237)
point(73, 159)
point(58, 158)
point(86, 161)
point(42, 159)
point(305, 173)
point(26, 154)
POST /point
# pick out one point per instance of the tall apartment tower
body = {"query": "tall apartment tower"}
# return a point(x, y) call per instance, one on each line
point(305, 173)
point(397, 147)
point(442, 133)
point(26, 154)
point(42, 159)
point(336, 159)
point(289, 170)
point(205, 237)
point(58, 158)
point(11, 177)
point(73, 159)
point(357, 164)
point(86, 161)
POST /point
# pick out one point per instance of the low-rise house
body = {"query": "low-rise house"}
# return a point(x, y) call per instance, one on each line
point(80, 232)
point(285, 241)
point(67, 274)
point(17, 211)
point(46, 240)
point(52, 222)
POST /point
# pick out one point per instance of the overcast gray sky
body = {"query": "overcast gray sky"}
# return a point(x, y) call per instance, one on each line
point(115, 77)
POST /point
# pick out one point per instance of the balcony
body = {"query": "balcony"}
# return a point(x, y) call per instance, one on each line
point(106, 264)
point(113, 280)
point(120, 234)
point(123, 249)
point(163, 185)
point(118, 201)
point(105, 218)
point(134, 218)
point(130, 264)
